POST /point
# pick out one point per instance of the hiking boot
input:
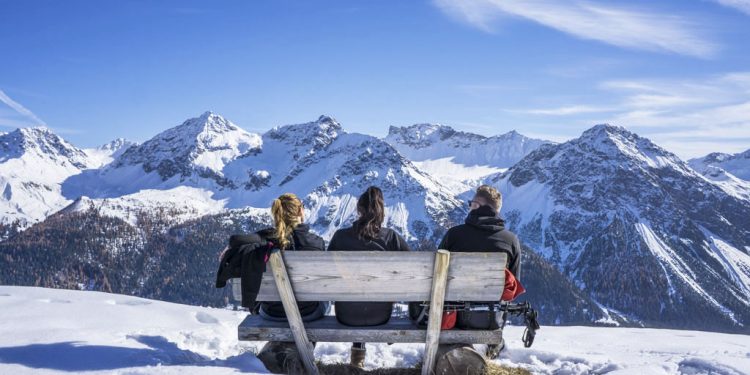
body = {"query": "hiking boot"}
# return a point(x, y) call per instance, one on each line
point(463, 360)
point(357, 358)
point(281, 358)
point(493, 350)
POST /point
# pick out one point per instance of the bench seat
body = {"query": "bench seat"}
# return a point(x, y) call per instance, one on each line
point(328, 329)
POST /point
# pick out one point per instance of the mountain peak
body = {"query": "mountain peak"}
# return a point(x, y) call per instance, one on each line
point(42, 142)
point(207, 122)
point(328, 120)
point(320, 132)
point(206, 142)
point(605, 130)
point(116, 144)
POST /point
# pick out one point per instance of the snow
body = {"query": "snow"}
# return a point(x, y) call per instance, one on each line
point(183, 203)
point(33, 164)
point(53, 331)
point(674, 265)
point(456, 176)
point(737, 164)
point(735, 262)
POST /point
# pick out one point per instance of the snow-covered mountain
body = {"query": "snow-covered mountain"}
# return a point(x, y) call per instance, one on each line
point(108, 152)
point(319, 161)
point(459, 158)
point(43, 333)
point(33, 164)
point(736, 164)
point(730, 172)
point(635, 227)
point(587, 206)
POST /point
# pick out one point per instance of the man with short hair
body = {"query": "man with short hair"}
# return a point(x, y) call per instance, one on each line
point(482, 231)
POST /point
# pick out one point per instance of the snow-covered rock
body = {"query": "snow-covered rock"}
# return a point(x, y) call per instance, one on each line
point(635, 227)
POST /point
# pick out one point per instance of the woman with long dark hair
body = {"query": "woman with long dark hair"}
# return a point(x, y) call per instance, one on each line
point(366, 234)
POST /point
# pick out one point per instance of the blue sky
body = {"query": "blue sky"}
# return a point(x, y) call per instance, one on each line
point(676, 71)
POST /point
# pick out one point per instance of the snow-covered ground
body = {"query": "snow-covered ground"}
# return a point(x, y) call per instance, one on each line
point(63, 331)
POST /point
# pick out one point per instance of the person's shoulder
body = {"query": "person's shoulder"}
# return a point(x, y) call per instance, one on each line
point(458, 228)
point(389, 234)
point(348, 231)
point(266, 232)
point(509, 237)
point(509, 234)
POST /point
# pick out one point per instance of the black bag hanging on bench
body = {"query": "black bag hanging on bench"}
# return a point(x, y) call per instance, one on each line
point(472, 318)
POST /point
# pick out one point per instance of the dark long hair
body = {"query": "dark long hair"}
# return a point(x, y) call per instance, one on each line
point(371, 211)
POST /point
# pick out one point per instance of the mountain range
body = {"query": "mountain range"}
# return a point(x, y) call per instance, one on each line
point(617, 230)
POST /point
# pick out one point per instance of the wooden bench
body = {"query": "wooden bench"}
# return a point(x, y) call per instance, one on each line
point(374, 276)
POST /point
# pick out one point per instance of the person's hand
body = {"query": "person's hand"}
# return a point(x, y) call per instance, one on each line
point(221, 256)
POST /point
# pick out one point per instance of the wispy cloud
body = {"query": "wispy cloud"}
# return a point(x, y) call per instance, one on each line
point(564, 111)
point(690, 117)
point(629, 28)
point(21, 110)
point(741, 5)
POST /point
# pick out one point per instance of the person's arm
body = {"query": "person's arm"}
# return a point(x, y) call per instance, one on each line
point(321, 245)
point(445, 243)
point(334, 244)
point(515, 263)
point(401, 244)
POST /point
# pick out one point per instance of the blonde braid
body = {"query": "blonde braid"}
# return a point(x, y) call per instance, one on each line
point(285, 211)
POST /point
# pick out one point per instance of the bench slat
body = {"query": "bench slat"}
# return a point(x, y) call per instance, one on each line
point(372, 276)
point(327, 329)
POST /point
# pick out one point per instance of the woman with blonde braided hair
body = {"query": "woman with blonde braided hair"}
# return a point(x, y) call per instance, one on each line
point(287, 213)
point(288, 234)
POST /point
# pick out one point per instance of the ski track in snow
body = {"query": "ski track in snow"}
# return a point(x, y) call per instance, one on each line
point(53, 331)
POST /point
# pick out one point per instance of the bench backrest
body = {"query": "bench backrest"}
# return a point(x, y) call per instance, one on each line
point(372, 276)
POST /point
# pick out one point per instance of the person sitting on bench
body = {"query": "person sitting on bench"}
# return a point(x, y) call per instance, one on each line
point(366, 234)
point(484, 231)
point(288, 234)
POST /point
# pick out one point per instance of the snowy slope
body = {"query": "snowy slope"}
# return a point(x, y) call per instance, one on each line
point(724, 169)
point(33, 164)
point(108, 152)
point(736, 164)
point(43, 333)
point(458, 159)
point(616, 212)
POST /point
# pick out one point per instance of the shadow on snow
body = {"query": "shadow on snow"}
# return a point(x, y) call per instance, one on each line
point(74, 356)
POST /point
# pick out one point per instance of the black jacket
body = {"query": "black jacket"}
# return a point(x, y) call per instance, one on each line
point(365, 313)
point(246, 259)
point(484, 232)
point(347, 239)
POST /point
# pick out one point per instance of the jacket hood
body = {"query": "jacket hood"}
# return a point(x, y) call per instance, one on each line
point(485, 218)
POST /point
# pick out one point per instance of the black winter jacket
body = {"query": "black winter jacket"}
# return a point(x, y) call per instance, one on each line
point(246, 259)
point(485, 232)
point(365, 313)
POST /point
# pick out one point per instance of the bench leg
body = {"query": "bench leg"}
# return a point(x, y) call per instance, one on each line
point(439, 281)
point(284, 286)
